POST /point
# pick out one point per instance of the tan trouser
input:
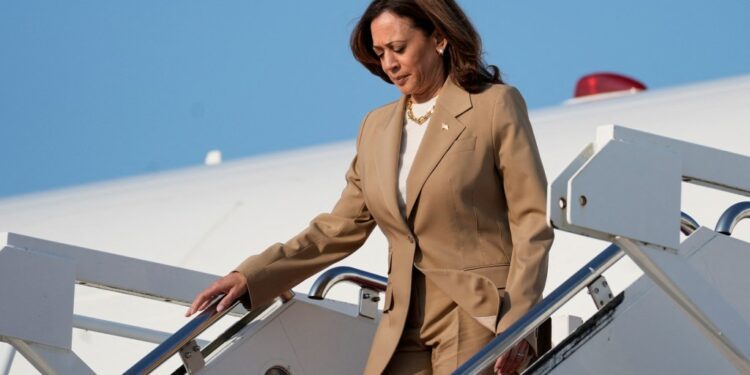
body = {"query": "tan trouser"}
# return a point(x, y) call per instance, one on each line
point(438, 337)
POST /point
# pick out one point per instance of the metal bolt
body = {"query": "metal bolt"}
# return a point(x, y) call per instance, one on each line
point(375, 299)
point(582, 200)
point(596, 290)
point(196, 348)
point(365, 295)
point(188, 354)
point(563, 203)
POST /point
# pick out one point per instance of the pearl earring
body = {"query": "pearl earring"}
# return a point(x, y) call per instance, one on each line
point(440, 51)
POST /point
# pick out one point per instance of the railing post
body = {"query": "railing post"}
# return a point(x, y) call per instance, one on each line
point(733, 215)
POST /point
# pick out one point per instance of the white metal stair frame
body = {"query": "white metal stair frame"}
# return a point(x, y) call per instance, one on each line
point(37, 278)
point(255, 338)
point(626, 188)
point(644, 331)
point(302, 336)
point(589, 276)
point(7, 353)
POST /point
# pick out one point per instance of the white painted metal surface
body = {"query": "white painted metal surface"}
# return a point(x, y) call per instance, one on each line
point(107, 271)
point(49, 359)
point(629, 184)
point(37, 295)
point(711, 314)
point(650, 334)
point(39, 276)
point(7, 354)
point(304, 336)
point(564, 325)
point(666, 162)
point(603, 185)
point(123, 330)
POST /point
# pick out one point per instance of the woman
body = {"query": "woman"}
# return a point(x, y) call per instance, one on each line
point(452, 176)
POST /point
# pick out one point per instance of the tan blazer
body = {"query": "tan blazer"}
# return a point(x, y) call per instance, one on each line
point(475, 214)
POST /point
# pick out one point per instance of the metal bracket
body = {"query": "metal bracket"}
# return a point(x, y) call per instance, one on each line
point(368, 302)
point(192, 357)
point(600, 292)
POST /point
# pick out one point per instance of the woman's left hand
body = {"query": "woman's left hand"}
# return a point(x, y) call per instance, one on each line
point(512, 360)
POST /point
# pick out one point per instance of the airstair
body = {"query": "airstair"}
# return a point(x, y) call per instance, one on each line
point(688, 313)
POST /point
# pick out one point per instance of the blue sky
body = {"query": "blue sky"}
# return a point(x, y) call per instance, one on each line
point(94, 90)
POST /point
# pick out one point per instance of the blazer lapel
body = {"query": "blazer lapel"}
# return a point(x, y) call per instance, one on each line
point(443, 129)
point(386, 161)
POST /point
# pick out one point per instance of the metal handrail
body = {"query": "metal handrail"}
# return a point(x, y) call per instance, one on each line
point(233, 329)
point(191, 330)
point(188, 332)
point(333, 276)
point(688, 225)
point(733, 215)
point(320, 288)
point(541, 311)
point(546, 307)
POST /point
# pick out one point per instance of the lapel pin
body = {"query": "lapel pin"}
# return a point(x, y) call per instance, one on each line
point(445, 126)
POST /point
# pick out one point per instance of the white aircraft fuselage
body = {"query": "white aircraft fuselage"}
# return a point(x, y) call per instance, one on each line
point(209, 218)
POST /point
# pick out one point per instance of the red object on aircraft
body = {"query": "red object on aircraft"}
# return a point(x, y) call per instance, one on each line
point(600, 83)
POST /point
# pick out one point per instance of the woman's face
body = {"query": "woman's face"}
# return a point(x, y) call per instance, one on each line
point(408, 56)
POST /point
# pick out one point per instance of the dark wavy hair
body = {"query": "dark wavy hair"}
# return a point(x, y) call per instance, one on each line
point(463, 54)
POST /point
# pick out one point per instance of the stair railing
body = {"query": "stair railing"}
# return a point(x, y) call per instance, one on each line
point(550, 304)
point(733, 215)
point(371, 285)
point(184, 340)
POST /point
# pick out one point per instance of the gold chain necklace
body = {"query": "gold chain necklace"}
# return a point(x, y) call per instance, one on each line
point(421, 119)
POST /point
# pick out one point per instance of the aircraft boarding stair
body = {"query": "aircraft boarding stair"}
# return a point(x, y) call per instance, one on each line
point(689, 312)
point(643, 331)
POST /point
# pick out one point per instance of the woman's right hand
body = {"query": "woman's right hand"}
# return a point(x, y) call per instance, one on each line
point(232, 285)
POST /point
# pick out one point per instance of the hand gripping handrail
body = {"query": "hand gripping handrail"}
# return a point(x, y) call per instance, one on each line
point(546, 307)
point(190, 331)
point(209, 316)
point(733, 215)
point(172, 345)
point(333, 276)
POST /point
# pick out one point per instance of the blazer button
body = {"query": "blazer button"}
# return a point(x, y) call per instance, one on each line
point(411, 239)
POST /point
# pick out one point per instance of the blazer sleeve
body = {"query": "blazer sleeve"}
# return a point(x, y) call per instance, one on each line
point(329, 238)
point(517, 160)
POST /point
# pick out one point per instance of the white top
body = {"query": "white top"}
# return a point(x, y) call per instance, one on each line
point(410, 140)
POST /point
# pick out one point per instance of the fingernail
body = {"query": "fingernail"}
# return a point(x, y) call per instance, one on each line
point(220, 308)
